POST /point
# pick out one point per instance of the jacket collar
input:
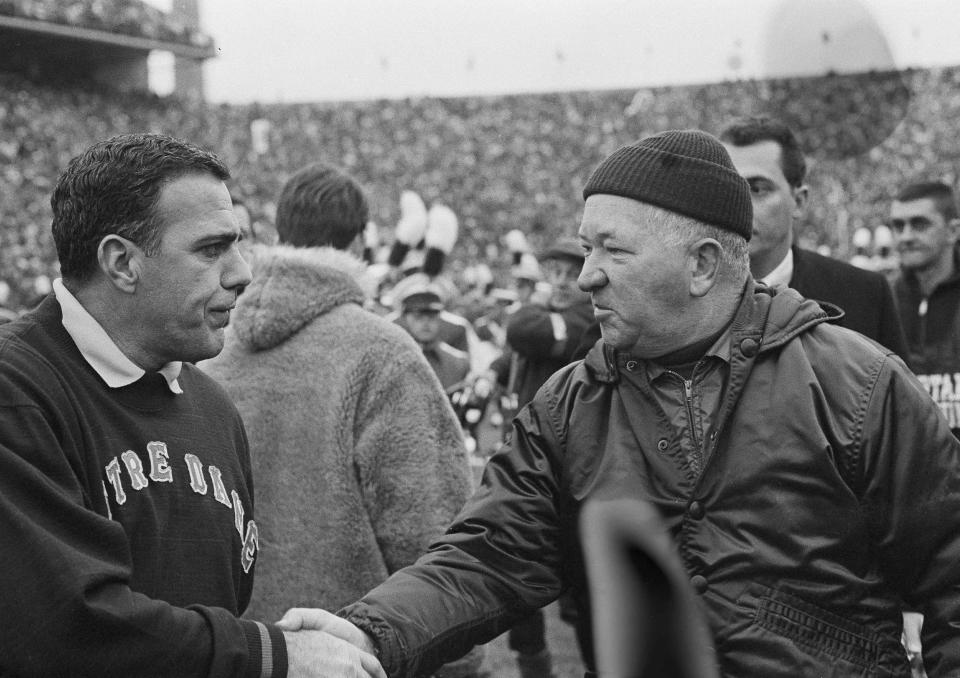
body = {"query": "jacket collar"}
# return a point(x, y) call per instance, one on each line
point(766, 318)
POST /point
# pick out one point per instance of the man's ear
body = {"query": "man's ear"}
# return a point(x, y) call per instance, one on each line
point(800, 195)
point(121, 261)
point(703, 259)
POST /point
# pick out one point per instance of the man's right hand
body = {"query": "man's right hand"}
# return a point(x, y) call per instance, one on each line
point(300, 618)
point(316, 654)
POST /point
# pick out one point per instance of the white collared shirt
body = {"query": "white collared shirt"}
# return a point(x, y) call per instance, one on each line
point(99, 350)
point(782, 274)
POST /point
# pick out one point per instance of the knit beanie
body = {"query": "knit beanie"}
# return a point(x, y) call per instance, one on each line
point(684, 171)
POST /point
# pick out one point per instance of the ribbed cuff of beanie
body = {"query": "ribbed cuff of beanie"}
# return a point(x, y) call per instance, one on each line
point(688, 172)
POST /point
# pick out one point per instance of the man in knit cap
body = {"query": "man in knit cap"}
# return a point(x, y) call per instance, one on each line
point(810, 485)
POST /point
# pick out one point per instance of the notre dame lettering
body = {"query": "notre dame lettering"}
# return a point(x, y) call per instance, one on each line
point(128, 469)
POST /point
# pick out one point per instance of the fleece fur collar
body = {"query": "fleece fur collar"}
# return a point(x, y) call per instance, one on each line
point(291, 286)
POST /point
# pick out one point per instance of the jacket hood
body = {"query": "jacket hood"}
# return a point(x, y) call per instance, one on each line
point(768, 316)
point(291, 286)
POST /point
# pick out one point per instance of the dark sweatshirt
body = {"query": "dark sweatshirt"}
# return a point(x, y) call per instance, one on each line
point(127, 539)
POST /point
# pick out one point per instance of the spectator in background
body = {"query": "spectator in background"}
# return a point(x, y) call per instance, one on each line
point(767, 154)
point(359, 459)
point(129, 538)
point(526, 276)
point(524, 267)
point(924, 221)
point(423, 240)
point(542, 333)
point(420, 305)
point(541, 336)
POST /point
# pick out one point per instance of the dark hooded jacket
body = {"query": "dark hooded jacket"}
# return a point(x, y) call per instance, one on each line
point(830, 499)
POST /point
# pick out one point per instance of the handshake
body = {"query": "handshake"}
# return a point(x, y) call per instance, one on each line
point(322, 644)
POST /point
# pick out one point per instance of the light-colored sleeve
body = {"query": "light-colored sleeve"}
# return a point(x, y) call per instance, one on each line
point(410, 454)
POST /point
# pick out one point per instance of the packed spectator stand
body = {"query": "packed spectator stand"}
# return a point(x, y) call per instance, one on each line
point(500, 162)
point(127, 17)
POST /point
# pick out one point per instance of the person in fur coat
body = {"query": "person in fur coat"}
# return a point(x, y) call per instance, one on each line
point(358, 456)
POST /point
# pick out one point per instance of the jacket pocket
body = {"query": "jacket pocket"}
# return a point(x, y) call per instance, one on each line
point(815, 629)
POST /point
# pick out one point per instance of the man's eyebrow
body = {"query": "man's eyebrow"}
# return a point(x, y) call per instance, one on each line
point(601, 234)
point(217, 238)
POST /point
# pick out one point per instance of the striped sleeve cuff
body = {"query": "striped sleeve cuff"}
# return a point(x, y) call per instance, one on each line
point(267, 650)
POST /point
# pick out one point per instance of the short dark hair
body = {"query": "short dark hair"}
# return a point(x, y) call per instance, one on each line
point(939, 192)
point(112, 188)
point(753, 130)
point(321, 205)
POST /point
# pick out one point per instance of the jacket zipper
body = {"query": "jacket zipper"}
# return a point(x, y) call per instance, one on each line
point(697, 451)
point(688, 400)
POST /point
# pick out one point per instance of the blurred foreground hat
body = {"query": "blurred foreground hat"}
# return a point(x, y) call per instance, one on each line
point(646, 617)
point(685, 171)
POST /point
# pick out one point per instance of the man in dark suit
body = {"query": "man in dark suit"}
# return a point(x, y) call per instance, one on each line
point(767, 154)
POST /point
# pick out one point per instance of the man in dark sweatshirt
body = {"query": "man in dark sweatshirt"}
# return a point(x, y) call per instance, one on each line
point(127, 532)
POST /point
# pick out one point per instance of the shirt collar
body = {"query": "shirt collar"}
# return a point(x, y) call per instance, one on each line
point(782, 274)
point(719, 349)
point(99, 350)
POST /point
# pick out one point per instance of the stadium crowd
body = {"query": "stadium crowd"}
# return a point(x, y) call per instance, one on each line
point(499, 162)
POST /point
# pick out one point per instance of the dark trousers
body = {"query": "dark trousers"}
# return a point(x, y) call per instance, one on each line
point(528, 636)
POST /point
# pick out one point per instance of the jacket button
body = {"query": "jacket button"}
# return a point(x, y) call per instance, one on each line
point(749, 347)
point(631, 365)
point(662, 444)
point(699, 583)
point(697, 511)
